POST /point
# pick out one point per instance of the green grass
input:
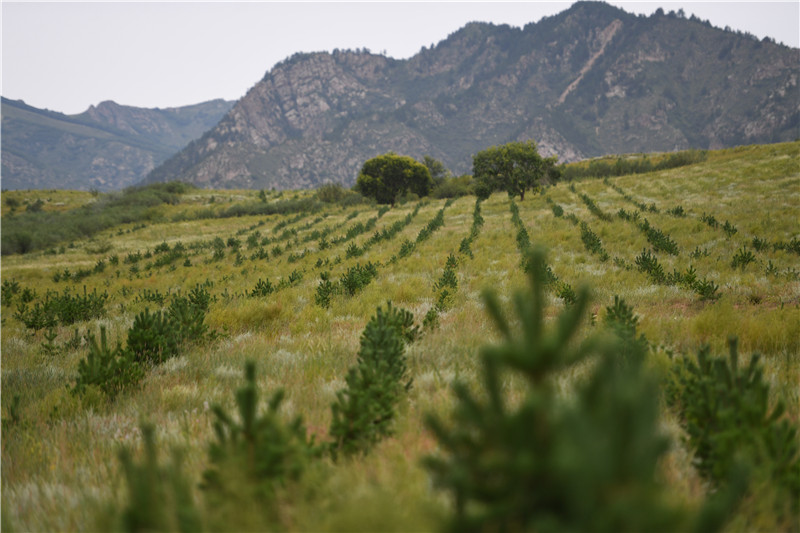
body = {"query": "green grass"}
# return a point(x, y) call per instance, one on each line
point(59, 459)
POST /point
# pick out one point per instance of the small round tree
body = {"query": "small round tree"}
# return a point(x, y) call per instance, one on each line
point(389, 176)
point(514, 167)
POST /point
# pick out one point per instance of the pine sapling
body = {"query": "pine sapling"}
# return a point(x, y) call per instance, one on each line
point(365, 409)
point(535, 462)
point(159, 497)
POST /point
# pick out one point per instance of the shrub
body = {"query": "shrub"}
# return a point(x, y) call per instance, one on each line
point(706, 289)
point(624, 165)
point(110, 370)
point(200, 297)
point(434, 224)
point(729, 229)
point(726, 410)
point(187, 318)
point(365, 410)
point(254, 455)
point(793, 245)
point(294, 278)
point(358, 277)
point(592, 242)
point(771, 269)
point(659, 240)
point(64, 309)
point(596, 211)
point(760, 244)
point(9, 289)
point(159, 497)
point(742, 258)
point(648, 263)
point(465, 248)
point(620, 319)
point(152, 296)
point(431, 320)
point(402, 321)
point(153, 338)
point(565, 291)
point(334, 193)
point(449, 278)
point(454, 187)
point(710, 220)
point(39, 229)
point(262, 289)
point(541, 463)
point(353, 251)
point(447, 285)
point(406, 248)
point(325, 291)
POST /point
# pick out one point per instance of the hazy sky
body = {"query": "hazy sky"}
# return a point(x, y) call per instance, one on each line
point(66, 56)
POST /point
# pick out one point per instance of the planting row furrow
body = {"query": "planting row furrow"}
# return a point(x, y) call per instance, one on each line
point(743, 256)
point(590, 240)
point(357, 277)
point(561, 288)
point(646, 262)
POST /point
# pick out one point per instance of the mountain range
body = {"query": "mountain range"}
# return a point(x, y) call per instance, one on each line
point(109, 146)
point(589, 81)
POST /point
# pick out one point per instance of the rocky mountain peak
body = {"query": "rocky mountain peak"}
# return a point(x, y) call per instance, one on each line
point(588, 81)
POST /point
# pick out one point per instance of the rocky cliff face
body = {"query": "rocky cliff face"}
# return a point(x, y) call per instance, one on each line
point(590, 81)
point(109, 146)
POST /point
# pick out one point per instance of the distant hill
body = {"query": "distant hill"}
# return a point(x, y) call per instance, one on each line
point(589, 81)
point(109, 146)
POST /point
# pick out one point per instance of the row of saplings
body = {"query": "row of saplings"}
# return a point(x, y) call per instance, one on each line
point(532, 462)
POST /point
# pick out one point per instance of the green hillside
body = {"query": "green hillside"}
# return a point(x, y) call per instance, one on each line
point(700, 253)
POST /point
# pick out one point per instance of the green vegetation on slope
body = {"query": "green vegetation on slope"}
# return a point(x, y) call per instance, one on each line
point(261, 274)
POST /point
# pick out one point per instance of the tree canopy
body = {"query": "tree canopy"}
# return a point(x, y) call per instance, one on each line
point(514, 167)
point(437, 169)
point(389, 176)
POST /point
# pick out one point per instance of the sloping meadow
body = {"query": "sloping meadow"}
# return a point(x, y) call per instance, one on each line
point(130, 349)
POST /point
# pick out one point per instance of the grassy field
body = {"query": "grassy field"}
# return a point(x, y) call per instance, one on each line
point(60, 469)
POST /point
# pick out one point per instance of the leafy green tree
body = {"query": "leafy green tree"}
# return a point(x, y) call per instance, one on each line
point(437, 169)
point(389, 176)
point(514, 167)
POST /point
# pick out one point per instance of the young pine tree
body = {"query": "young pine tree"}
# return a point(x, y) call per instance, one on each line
point(541, 463)
point(364, 411)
